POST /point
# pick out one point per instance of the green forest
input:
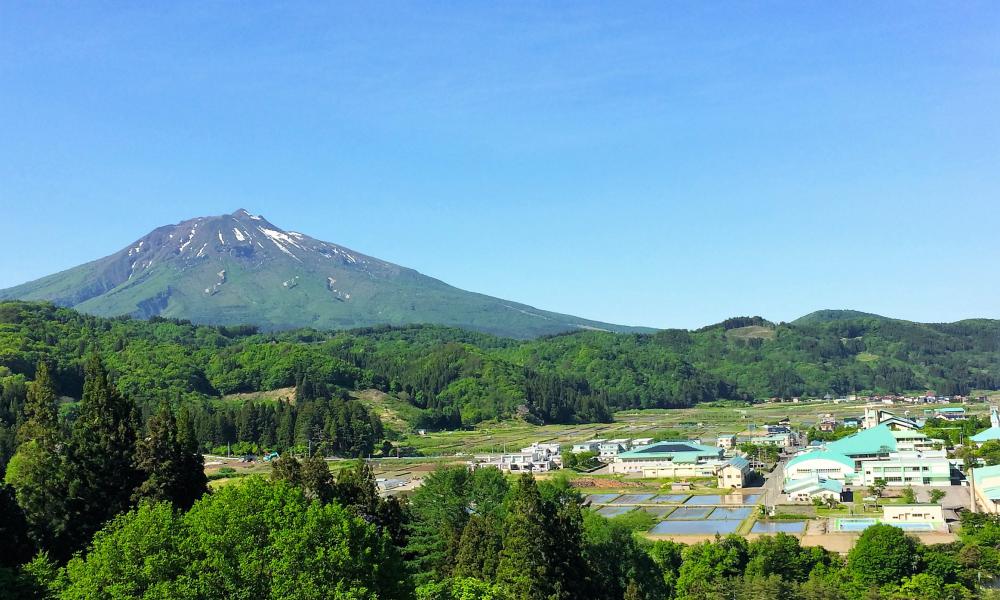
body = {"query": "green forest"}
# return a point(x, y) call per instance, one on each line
point(96, 508)
point(105, 421)
point(454, 378)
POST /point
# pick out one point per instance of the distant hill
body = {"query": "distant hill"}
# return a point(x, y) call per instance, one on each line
point(241, 268)
point(434, 376)
point(825, 316)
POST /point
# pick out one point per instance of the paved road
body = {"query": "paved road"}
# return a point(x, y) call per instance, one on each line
point(774, 483)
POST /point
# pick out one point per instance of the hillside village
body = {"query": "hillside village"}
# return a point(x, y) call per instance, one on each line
point(825, 483)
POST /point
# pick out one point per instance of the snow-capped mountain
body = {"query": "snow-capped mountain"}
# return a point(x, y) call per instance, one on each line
point(241, 268)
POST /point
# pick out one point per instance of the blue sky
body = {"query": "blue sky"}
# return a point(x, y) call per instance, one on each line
point(664, 164)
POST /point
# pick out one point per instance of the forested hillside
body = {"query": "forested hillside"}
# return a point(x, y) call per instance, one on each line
point(455, 378)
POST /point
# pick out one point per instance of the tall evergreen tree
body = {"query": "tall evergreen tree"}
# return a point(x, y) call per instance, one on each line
point(479, 550)
point(102, 474)
point(41, 416)
point(37, 470)
point(523, 568)
point(164, 457)
point(440, 509)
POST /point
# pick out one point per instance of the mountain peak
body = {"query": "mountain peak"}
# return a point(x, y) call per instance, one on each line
point(241, 268)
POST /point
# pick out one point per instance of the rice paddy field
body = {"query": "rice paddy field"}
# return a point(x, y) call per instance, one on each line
point(701, 422)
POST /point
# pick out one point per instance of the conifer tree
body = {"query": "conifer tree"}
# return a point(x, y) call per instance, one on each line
point(173, 473)
point(523, 568)
point(41, 417)
point(479, 550)
point(36, 472)
point(101, 472)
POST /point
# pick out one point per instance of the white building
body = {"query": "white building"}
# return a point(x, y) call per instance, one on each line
point(912, 513)
point(809, 488)
point(535, 462)
point(670, 459)
point(726, 441)
point(588, 446)
point(612, 448)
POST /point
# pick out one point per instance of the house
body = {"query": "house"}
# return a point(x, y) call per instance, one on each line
point(726, 441)
point(781, 440)
point(636, 442)
point(852, 422)
point(588, 446)
point(669, 459)
point(805, 490)
point(956, 413)
point(548, 449)
point(734, 473)
point(827, 425)
point(875, 416)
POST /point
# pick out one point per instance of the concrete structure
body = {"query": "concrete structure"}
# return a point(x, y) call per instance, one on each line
point(550, 449)
point(912, 513)
point(588, 446)
point(636, 442)
point(824, 464)
point(726, 441)
point(535, 462)
point(986, 488)
point(810, 488)
point(907, 469)
point(669, 459)
point(612, 448)
point(734, 473)
point(914, 441)
point(871, 454)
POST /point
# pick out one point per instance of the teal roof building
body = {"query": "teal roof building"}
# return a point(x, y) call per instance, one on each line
point(876, 441)
point(993, 433)
point(678, 452)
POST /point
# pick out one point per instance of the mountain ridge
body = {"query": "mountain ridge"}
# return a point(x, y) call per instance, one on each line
point(241, 268)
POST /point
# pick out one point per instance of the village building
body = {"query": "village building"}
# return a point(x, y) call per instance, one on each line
point(956, 413)
point(612, 448)
point(588, 446)
point(986, 488)
point(734, 473)
point(871, 454)
point(669, 459)
point(810, 488)
point(726, 441)
point(912, 513)
point(993, 433)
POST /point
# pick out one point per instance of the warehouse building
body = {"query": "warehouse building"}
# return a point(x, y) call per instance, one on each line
point(670, 459)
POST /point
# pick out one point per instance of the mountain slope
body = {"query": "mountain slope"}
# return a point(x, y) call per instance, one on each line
point(240, 268)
